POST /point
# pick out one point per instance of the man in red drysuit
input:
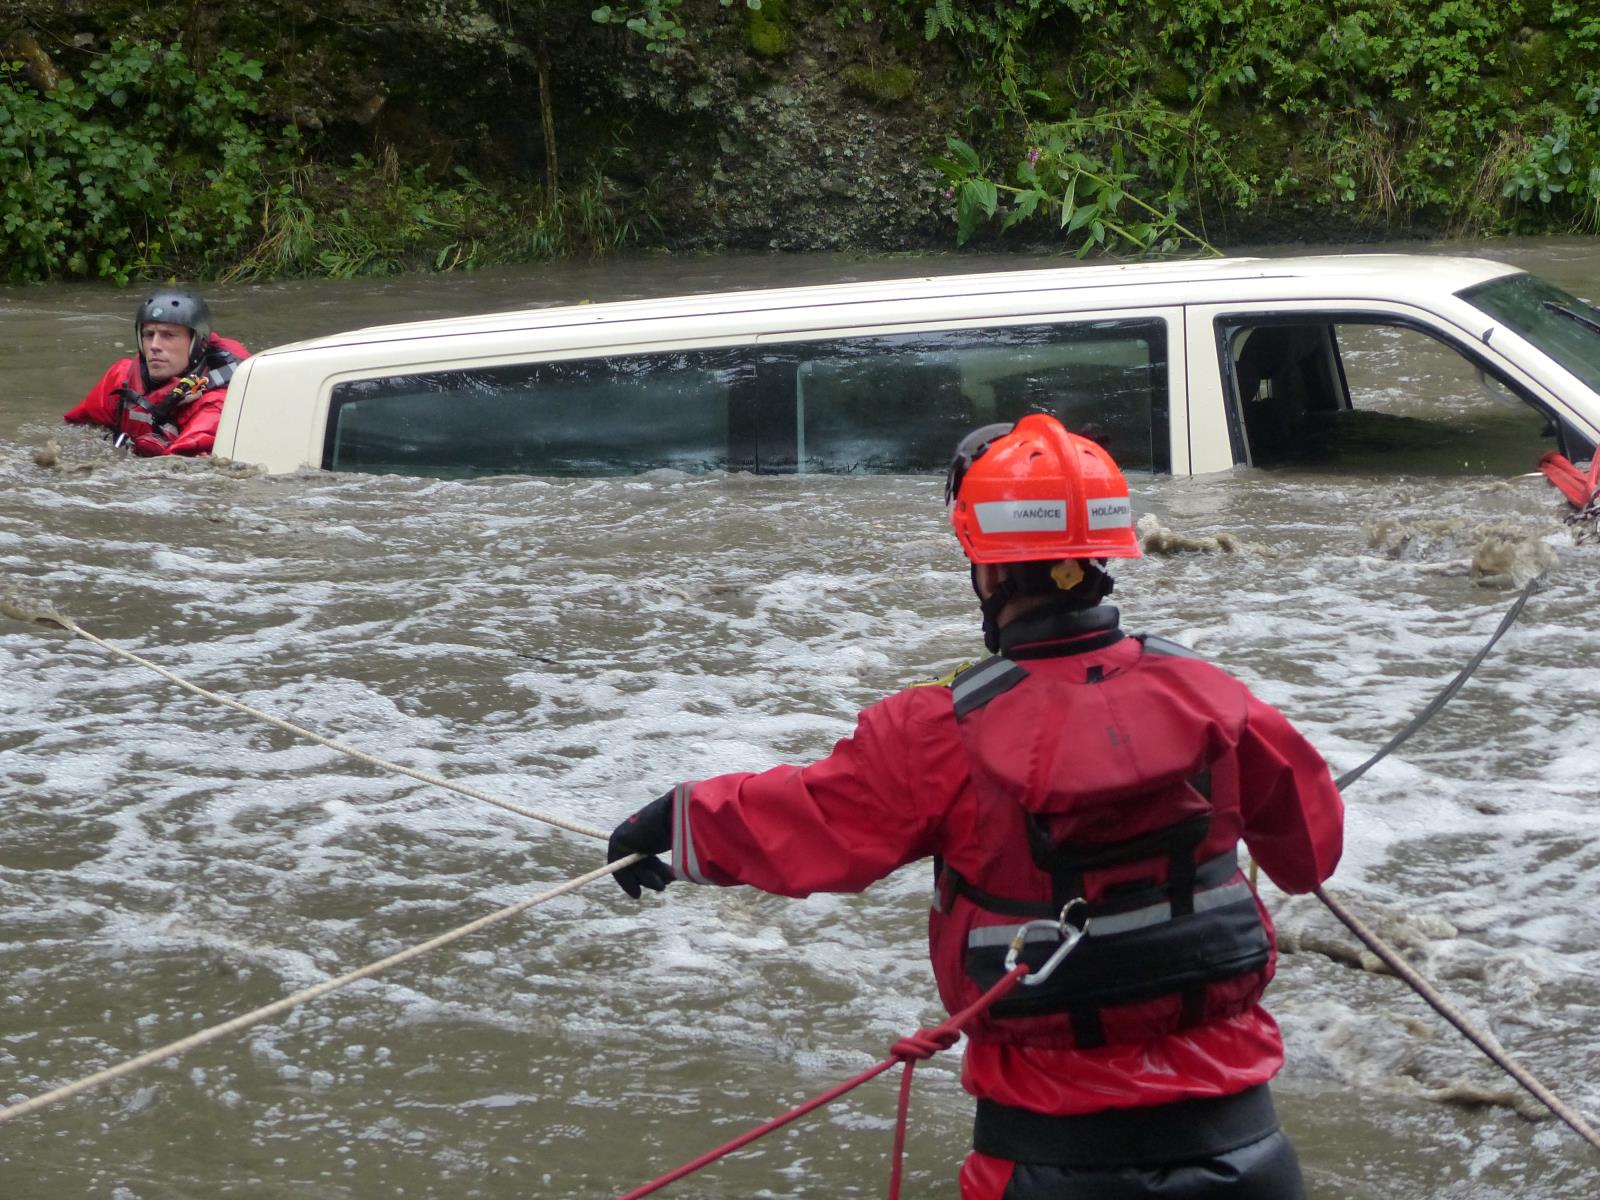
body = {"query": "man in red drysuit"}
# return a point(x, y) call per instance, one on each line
point(1081, 777)
point(167, 399)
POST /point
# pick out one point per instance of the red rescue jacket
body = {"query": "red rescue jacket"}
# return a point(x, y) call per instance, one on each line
point(190, 428)
point(917, 780)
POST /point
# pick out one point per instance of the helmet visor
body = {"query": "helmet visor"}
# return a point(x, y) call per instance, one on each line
point(968, 451)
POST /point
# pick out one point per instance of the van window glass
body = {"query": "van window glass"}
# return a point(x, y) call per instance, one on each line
point(893, 403)
point(1561, 325)
point(899, 403)
point(599, 416)
point(1372, 397)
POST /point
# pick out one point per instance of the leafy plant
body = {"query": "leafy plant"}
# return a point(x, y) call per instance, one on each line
point(143, 159)
point(1448, 114)
point(372, 218)
point(1083, 197)
point(147, 165)
point(654, 20)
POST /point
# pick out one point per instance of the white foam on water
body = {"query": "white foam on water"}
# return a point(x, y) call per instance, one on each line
point(578, 647)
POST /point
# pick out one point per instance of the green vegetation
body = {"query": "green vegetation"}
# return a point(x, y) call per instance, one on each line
point(656, 21)
point(888, 85)
point(146, 167)
point(387, 137)
point(142, 161)
point(1133, 123)
point(370, 218)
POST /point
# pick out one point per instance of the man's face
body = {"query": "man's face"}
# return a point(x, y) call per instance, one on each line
point(166, 349)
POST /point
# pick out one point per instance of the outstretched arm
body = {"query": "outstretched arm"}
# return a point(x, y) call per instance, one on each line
point(1293, 814)
point(837, 825)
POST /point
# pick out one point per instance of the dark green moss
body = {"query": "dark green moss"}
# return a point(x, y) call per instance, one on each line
point(1056, 83)
point(889, 85)
point(1170, 84)
point(1261, 141)
point(769, 30)
point(1534, 59)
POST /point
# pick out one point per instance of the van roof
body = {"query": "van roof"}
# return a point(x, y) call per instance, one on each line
point(1415, 276)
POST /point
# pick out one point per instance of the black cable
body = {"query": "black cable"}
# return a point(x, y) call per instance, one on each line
point(1391, 958)
point(1443, 698)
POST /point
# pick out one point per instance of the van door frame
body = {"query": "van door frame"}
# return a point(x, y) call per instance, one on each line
point(1217, 437)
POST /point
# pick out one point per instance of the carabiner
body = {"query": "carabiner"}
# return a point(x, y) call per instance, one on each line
point(1069, 934)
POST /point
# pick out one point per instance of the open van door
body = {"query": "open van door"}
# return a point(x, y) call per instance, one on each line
point(1370, 389)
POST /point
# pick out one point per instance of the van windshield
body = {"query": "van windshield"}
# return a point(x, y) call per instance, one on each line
point(1564, 327)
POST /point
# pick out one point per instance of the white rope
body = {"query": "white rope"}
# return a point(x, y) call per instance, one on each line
point(46, 613)
point(34, 611)
point(195, 1040)
point(1478, 1037)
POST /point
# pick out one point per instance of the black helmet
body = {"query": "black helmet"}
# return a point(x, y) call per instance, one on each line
point(175, 307)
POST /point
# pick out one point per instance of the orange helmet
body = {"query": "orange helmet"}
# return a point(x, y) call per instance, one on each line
point(1032, 491)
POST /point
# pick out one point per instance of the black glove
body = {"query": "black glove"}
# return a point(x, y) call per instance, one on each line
point(648, 831)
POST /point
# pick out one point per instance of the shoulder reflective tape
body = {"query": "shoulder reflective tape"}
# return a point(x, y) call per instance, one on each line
point(1021, 516)
point(1160, 645)
point(1110, 512)
point(979, 685)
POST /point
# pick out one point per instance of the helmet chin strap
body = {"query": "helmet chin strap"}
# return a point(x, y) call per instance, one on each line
point(1086, 593)
point(990, 607)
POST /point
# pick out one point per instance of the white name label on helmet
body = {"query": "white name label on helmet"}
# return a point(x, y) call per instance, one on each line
point(1019, 516)
point(1110, 512)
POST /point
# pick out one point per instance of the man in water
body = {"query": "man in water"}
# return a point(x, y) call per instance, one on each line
point(167, 398)
point(1080, 782)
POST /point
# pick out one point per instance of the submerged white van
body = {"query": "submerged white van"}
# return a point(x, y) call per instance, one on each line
point(1420, 363)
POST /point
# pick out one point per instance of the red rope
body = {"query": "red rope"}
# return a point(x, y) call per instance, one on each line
point(925, 1043)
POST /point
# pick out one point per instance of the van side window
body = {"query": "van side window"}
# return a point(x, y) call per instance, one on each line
point(1333, 393)
point(899, 402)
point(881, 404)
point(599, 416)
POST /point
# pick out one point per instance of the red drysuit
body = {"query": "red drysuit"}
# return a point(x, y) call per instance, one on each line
point(1106, 740)
point(189, 429)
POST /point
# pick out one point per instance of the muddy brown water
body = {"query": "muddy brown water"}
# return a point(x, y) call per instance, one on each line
point(576, 646)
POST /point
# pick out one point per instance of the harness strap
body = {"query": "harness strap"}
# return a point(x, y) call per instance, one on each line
point(1116, 915)
point(189, 387)
point(218, 376)
point(1165, 842)
point(1166, 1133)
